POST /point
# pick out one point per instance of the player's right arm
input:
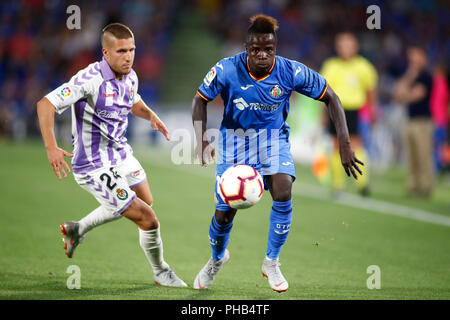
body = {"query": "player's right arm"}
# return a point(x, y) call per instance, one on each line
point(46, 115)
point(212, 85)
point(203, 152)
point(58, 101)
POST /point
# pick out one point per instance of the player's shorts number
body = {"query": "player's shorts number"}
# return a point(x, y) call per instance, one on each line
point(108, 181)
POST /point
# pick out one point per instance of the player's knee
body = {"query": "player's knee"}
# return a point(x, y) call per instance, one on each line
point(149, 220)
point(225, 217)
point(141, 214)
point(282, 195)
point(281, 186)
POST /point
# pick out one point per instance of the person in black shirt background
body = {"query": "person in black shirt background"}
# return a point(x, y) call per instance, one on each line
point(413, 89)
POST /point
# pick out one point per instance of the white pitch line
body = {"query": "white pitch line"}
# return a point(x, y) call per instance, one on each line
point(348, 199)
point(370, 204)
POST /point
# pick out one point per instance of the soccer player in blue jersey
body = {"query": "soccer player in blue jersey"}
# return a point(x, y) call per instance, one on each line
point(255, 86)
point(101, 96)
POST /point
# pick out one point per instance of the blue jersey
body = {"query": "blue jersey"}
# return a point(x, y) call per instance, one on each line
point(256, 109)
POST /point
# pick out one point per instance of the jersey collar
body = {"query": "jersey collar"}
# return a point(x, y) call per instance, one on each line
point(106, 71)
point(263, 77)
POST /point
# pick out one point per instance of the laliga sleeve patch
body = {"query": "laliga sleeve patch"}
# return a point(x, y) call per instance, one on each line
point(210, 76)
point(65, 92)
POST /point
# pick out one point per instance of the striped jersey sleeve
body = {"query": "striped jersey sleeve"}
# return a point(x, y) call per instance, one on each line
point(213, 83)
point(308, 82)
point(77, 88)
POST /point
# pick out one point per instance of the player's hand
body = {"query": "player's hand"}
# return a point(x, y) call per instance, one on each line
point(349, 160)
point(205, 153)
point(56, 158)
point(158, 125)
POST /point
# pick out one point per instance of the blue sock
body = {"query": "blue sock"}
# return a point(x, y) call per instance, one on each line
point(219, 235)
point(280, 224)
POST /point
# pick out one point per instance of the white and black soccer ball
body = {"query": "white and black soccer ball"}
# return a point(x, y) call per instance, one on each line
point(240, 186)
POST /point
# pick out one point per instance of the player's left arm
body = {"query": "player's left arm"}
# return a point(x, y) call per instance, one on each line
point(337, 115)
point(141, 110)
point(311, 84)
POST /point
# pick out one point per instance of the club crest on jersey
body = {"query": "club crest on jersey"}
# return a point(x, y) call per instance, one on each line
point(65, 92)
point(275, 91)
point(122, 194)
point(131, 94)
point(210, 76)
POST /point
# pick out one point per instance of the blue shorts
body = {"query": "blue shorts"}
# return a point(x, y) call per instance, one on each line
point(280, 162)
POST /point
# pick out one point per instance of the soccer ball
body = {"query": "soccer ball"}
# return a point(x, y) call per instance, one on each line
point(240, 186)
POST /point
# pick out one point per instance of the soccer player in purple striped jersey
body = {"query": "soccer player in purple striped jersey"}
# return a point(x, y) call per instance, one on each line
point(101, 96)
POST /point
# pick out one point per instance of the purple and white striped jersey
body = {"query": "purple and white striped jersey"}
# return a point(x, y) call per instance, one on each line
point(100, 106)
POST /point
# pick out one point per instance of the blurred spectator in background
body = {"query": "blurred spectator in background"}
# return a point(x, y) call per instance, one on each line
point(36, 54)
point(354, 79)
point(414, 90)
point(439, 110)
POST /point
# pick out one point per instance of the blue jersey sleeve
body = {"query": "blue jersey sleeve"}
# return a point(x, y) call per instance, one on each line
point(308, 82)
point(213, 83)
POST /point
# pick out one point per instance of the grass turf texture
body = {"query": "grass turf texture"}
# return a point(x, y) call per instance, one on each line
point(326, 256)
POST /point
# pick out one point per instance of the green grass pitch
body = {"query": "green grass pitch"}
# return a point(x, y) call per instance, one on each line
point(326, 256)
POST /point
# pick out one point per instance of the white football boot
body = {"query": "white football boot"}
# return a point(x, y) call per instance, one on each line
point(271, 271)
point(206, 276)
point(167, 277)
point(71, 237)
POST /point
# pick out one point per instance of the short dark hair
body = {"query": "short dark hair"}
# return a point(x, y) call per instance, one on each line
point(262, 24)
point(118, 30)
